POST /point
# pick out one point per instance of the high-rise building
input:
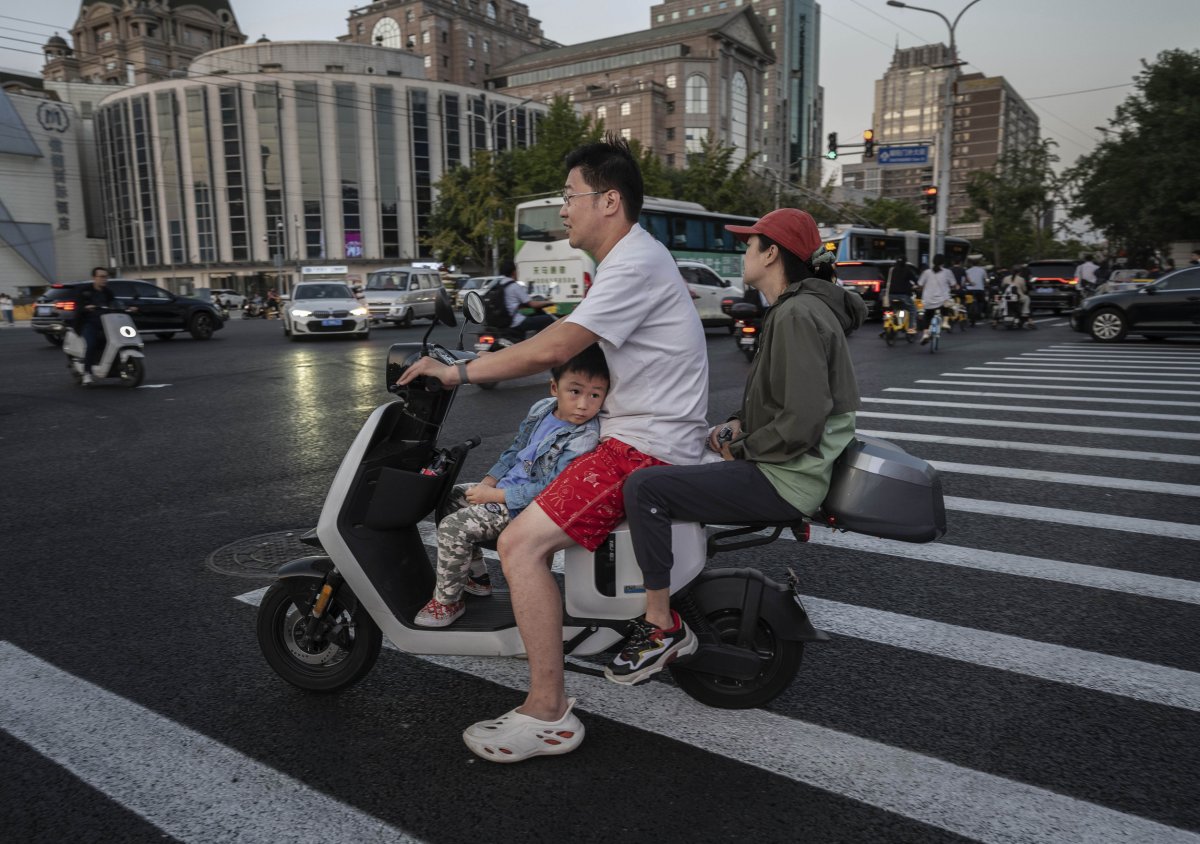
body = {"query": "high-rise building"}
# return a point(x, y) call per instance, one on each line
point(127, 43)
point(459, 41)
point(990, 118)
point(793, 100)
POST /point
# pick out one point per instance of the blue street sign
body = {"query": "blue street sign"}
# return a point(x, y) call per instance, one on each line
point(903, 155)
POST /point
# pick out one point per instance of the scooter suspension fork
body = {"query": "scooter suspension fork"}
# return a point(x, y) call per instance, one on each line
point(332, 581)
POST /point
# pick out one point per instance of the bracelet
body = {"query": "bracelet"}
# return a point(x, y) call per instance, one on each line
point(461, 366)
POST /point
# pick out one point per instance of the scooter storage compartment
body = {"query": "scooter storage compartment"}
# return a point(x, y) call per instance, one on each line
point(401, 498)
point(880, 490)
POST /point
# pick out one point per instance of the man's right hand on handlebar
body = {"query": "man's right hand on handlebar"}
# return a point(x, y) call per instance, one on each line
point(720, 436)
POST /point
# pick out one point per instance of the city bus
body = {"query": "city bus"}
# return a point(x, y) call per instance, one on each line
point(550, 267)
point(855, 243)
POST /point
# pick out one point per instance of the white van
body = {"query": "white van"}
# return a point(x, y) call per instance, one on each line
point(400, 294)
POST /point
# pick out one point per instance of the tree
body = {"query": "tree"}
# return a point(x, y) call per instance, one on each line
point(539, 168)
point(1141, 185)
point(472, 211)
point(1018, 196)
point(885, 213)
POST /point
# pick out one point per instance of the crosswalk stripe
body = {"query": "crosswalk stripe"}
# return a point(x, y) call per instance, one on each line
point(1069, 356)
point(1017, 565)
point(1076, 380)
point(1124, 351)
point(1078, 518)
point(1086, 363)
point(1016, 408)
point(1048, 448)
point(981, 806)
point(1067, 369)
point(1090, 389)
point(1095, 399)
point(189, 786)
point(1101, 481)
point(1040, 426)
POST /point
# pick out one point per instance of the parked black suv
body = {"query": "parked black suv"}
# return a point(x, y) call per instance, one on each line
point(868, 278)
point(1052, 284)
point(159, 312)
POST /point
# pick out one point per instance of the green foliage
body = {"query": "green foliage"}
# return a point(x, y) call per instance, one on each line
point(1141, 185)
point(471, 210)
point(1018, 197)
point(539, 168)
point(884, 213)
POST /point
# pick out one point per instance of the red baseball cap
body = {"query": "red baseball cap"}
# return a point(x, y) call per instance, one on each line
point(793, 229)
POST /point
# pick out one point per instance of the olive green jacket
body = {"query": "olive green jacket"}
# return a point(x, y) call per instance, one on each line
point(802, 374)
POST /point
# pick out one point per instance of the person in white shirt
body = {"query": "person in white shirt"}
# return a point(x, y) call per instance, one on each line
point(1086, 272)
point(517, 297)
point(977, 286)
point(936, 284)
point(640, 312)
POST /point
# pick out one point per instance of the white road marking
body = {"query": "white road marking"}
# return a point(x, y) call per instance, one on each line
point(1086, 363)
point(1129, 351)
point(1095, 399)
point(1076, 356)
point(186, 784)
point(152, 386)
point(1090, 389)
point(1076, 380)
point(1018, 408)
point(1078, 518)
point(1101, 481)
point(1017, 565)
point(1048, 448)
point(1039, 426)
point(981, 806)
point(1083, 369)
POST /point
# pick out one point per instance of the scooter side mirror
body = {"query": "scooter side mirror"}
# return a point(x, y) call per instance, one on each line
point(473, 308)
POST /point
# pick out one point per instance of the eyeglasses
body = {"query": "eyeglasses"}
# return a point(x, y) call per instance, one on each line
point(567, 196)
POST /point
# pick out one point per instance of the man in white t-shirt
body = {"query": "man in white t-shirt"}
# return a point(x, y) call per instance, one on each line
point(1086, 272)
point(640, 312)
point(517, 297)
point(977, 285)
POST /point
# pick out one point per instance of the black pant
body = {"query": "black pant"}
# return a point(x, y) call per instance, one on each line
point(729, 492)
point(534, 324)
point(94, 341)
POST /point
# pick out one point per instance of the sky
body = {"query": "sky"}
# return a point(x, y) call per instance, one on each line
point(1073, 61)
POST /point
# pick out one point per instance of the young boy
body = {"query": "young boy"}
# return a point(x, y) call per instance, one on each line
point(557, 430)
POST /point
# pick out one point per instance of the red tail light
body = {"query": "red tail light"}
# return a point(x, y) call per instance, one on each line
point(888, 314)
point(68, 305)
point(487, 339)
point(803, 533)
point(875, 286)
point(587, 283)
point(749, 329)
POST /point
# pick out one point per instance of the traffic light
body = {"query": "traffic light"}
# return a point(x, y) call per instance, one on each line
point(930, 199)
point(868, 143)
point(832, 154)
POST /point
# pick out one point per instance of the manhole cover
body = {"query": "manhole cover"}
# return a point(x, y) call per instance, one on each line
point(260, 556)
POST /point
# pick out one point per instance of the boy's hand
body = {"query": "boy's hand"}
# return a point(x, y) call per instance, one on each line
point(483, 494)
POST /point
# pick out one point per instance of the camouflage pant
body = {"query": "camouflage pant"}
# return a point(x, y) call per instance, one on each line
point(459, 533)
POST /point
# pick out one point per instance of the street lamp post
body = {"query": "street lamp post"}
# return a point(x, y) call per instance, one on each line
point(491, 148)
point(944, 156)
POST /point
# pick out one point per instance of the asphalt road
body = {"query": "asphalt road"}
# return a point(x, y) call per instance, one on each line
point(1034, 676)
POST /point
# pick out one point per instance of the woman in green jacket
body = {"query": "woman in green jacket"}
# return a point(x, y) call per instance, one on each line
point(797, 415)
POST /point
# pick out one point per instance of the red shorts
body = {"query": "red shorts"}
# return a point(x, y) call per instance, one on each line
point(587, 499)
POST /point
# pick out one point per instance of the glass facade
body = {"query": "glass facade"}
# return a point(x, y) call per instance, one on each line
point(147, 196)
point(198, 149)
point(171, 167)
point(235, 177)
point(451, 131)
point(347, 135)
point(266, 107)
point(389, 174)
point(308, 138)
point(418, 114)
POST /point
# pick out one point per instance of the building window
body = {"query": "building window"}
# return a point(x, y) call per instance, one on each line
point(670, 133)
point(470, 64)
point(626, 109)
point(146, 182)
point(266, 107)
point(452, 138)
point(198, 147)
point(660, 18)
point(487, 45)
point(697, 94)
point(672, 81)
point(346, 108)
point(387, 171)
point(601, 112)
point(426, 37)
point(235, 184)
point(740, 115)
point(429, 61)
point(308, 141)
point(491, 11)
point(694, 138)
point(418, 112)
point(386, 33)
point(470, 41)
point(627, 134)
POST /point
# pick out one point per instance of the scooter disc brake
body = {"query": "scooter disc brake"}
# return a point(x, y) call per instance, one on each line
point(327, 653)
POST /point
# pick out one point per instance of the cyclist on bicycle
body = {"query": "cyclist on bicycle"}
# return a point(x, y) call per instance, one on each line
point(936, 284)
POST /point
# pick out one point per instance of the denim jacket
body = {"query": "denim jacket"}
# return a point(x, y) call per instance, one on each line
point(552, 455)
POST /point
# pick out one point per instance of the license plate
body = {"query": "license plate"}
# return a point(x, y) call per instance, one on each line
point(42, 311)
point(1044, 290)
point(336, 322)
point(745, 341)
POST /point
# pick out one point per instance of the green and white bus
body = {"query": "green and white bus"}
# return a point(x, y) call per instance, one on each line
point(550, 267)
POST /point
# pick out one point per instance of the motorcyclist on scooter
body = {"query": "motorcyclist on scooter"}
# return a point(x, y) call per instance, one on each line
point(517, 297)
point(898, 290)
point(1015, 286)
point(90, 303)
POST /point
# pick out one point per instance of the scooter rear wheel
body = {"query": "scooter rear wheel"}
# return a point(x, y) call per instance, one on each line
point(780, 662)
point(341, 653)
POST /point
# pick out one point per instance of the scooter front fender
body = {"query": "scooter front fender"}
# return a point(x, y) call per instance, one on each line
point(758, 596)
point(294, 574)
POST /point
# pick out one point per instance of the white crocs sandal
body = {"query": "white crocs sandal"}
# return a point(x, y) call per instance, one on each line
point(514, 736)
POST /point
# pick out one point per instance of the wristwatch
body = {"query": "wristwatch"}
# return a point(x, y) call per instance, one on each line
point(461, 366)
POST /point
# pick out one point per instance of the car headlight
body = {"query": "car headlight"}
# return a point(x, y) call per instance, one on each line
point(359, 312)
point(301, 313)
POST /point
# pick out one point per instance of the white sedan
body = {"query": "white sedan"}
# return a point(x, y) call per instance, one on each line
point(708, 289)
point(323, 308)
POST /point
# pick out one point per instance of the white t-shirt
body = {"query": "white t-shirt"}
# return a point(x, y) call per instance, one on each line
point(976, 278)
point(1087, 271)
point(935, 287)
point(657, 358)
point(515, 296)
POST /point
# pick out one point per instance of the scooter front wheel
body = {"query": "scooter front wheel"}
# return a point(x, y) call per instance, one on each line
point(338, 653)
point(132, 371)
point(780, 660)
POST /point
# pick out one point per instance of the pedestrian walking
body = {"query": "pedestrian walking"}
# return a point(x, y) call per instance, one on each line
point(6, 309)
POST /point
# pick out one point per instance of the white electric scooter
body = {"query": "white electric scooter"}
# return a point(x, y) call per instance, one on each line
point(122, 357)
point(320, 626)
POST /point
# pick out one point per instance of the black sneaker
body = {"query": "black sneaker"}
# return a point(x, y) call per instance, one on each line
point(649, 650)
point(478, 584)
